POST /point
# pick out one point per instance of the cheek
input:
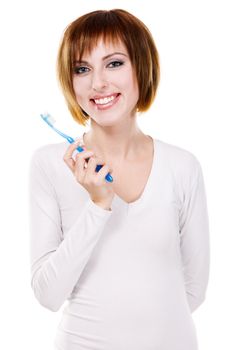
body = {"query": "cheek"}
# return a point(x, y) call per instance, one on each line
point(131, 81)
point(134, 87)
point(78, 89)
point(75, 87)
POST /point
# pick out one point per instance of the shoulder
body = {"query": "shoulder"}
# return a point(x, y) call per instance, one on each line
point(48, 159)
point(49, 150)
point(177, 155)
point(182, 162)
point(49, 153)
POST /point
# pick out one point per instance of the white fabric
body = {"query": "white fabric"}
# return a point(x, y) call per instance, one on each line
point(132, 276)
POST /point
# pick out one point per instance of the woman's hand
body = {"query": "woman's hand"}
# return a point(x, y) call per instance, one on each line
point(83, 168)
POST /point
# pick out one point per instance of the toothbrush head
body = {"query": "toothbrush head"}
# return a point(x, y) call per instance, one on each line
point(48, 119)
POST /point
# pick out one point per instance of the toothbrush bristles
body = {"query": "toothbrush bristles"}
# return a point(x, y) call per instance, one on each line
point(48, 118)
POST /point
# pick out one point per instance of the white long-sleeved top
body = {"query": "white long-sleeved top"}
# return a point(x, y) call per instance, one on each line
point(131, 276)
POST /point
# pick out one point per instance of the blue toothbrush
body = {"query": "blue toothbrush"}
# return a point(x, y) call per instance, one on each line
point(50, 121)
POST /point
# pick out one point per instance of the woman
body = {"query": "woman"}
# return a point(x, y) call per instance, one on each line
point(130, 256)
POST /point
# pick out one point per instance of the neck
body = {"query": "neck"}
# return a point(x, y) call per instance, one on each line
point(118, 143)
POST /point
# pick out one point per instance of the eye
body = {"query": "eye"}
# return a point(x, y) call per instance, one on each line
point(80, 70)
point(115, 64)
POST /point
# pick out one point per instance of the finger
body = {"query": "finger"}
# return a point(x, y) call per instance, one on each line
point(92, 164)
point(68, 159)
point(83, 157)
point(81, 164)
point(104, 171)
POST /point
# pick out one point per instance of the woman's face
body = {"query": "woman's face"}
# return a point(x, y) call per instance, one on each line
point(105, 84)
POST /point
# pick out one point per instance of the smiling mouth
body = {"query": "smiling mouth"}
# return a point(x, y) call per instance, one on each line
point(106, 100)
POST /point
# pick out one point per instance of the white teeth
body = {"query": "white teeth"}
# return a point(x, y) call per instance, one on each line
point(103, 101)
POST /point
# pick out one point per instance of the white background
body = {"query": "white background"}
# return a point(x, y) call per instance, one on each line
point(193, 110)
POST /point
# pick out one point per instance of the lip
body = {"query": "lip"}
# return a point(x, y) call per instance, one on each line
point(97, 97)
point(108, 105)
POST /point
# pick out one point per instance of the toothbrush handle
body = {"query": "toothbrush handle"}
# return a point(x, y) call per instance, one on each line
point(108, 177)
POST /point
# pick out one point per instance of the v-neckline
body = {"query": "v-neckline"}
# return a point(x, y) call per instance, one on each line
point(149, 179)
point(147, 185)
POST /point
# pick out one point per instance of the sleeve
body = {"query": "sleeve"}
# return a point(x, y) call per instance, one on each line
point(57, 263)
point(194, 240)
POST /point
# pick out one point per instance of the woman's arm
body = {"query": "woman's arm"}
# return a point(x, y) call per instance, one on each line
point(57, 264)
point(194, 239)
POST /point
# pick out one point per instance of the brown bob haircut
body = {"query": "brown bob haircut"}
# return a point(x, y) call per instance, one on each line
point(83, 34)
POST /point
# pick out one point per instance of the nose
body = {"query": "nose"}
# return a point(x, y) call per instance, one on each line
point(99, 81)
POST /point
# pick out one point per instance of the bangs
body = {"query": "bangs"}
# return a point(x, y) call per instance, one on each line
point(104, 26)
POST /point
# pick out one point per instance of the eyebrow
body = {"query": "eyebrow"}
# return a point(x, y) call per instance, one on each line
point(104, 58)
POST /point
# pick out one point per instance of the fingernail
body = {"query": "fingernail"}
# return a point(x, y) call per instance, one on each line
point(79, 143)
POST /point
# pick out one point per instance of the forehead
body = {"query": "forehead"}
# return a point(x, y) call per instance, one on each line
point(99, 45)
point(105, 48)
